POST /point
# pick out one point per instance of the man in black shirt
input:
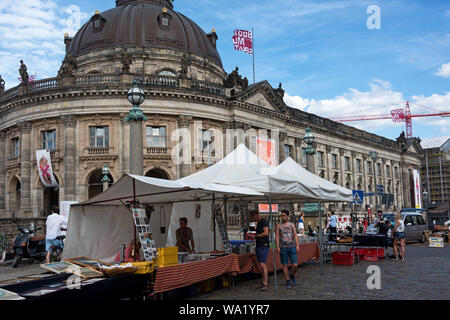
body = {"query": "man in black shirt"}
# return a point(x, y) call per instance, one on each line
point(262, 245)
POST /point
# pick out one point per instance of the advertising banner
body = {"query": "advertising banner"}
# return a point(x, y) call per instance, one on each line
point(264, 208)
point(417, 189)
point(265, 149)
point(243, 41)
point(45, 170)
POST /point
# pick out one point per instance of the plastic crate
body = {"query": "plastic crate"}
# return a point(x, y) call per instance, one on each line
point(167, 257)
point(342, 258)
point(368, 258)
point(143, 267)
point(371, 252)
point(169, 251)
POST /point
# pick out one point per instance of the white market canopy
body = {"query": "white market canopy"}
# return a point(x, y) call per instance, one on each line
point(289, 180)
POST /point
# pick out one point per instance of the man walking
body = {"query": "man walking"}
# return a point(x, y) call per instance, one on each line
point(287, 247)
point(262, 246)
point(332, 226)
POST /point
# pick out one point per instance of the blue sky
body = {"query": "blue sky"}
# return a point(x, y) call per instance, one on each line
point(329, 61)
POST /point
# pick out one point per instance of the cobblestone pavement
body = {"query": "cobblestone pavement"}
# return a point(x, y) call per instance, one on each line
point(423, 275)
point(25, 268)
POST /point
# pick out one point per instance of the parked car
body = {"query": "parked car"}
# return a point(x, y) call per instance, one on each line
point(415, 225)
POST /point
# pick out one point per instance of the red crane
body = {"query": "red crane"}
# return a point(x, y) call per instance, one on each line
point(397, 115)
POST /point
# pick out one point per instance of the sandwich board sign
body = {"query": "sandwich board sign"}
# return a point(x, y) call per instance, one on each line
point(358, 196)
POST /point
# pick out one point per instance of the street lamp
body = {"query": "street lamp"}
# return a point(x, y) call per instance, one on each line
point(374, 156)
point(136, 97)
point(425, 199)
point(309, 140)
point(105, 180)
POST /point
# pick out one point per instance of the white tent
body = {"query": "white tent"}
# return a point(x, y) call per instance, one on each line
point(98, 227)
point(288, 181)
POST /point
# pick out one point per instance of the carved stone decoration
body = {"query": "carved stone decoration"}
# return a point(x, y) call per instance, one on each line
point(184, 121)
point(24, 74)
point(2, 85)
point(283, 136)
point(185, 63)
point(24, 127)
point(280, 92)
point(298, 142)
point(329, 148)
point(70, 121)
point(235, 80)
point(127, 60)
point(68, 66)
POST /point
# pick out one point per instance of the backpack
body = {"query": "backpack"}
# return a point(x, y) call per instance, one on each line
point(383, 228)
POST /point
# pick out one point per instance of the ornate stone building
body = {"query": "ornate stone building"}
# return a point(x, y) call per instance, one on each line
point(79, 115)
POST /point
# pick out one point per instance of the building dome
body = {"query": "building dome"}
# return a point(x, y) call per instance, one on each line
point(144, 23)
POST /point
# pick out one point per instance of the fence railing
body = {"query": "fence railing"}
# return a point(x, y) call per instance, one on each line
point(10, 228)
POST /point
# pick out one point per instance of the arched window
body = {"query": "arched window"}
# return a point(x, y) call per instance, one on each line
point(95, 185)
point(167, 72)
point(158, 173)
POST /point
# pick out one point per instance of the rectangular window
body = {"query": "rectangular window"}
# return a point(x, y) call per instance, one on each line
point(320, 158)
point(334, 161)
point(378, 169)
point(205, 139)
point(99, 137)
point(287, 151)
point(396, 172)
point(49, 140)
point(156, 137)
point(304, 159)
point(15, 147)
point(347, 164)
point(388, 171)
point(358, 165)
point(369, 167)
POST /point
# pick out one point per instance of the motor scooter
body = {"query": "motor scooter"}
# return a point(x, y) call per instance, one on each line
point(28, 245)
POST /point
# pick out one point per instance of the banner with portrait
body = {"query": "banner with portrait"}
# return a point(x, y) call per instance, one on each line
point(417, 189)
point(45, 170)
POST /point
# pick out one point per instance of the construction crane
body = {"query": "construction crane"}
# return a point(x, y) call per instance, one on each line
point(397, 115)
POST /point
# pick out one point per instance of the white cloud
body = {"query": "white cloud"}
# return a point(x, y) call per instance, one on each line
point(444, 71)
point(33, 30)
point(379, 100)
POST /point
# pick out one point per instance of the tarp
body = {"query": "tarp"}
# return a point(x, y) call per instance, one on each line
point(98, 227)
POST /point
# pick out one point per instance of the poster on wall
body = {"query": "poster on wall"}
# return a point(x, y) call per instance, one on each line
point(265, 149)
point(417, 191)
point(45, 170)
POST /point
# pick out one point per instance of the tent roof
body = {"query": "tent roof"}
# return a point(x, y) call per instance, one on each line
point(151, 190)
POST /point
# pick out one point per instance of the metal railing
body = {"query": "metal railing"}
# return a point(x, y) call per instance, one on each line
point(98, 151)
point(157, 150)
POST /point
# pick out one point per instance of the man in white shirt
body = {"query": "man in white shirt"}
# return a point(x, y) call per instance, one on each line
point(54, 224)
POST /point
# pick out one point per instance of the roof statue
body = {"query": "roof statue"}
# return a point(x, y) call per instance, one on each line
point(2, 85)
point(24, 73)
point(126, 61)
point(235, 80)
point(68, 66)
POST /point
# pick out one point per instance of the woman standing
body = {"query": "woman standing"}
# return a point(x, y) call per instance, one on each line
point(399, 236)
point(301, 224)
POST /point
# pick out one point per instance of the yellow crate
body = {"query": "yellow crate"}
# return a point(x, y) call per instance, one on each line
point(143, 267)
point(169, 251)
point(165, 261)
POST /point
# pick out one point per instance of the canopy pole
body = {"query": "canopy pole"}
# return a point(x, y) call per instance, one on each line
point(214, 219)
point(135, 206)
point(273, 243)
point(320, 238)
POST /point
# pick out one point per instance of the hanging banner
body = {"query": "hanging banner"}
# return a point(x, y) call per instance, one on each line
point(417, 189)
point(265, 149)
point(45, 169)
point(243, 41)
point(264, 208)
point(398, 115)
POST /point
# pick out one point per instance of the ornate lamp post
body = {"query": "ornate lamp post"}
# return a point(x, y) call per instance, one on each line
point(425, 199)
point(374, 156)
point(105, 180)
point(309, 140)
point(136, 97)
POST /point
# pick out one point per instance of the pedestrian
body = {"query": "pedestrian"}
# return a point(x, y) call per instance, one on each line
point(301, 224)
point(332, 226)
point(54, 224)
point(185, 237)
point(287, 247)
point(262, 246)
point(399, 236)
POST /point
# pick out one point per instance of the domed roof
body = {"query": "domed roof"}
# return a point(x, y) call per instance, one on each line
point(143, 23)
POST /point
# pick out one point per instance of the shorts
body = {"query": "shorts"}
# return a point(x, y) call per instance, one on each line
point(53, 243)
point(399, 235)
point(288, 254)
point(261, 253)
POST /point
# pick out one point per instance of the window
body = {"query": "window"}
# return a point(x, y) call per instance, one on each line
point(49, 140)
point(287, 151)
point(334, 161)
point(15, 147)
point(99, 137)
point(396, 172)
point(409, 219)
point(369, 167)
point(167, 73)
point(378, 169)
point(304, 159)
point(388, 170)
point(320, 158)
point(156, 137)
point(205, 139)
point(347, 164)
point(420, 220)
point(358, 166)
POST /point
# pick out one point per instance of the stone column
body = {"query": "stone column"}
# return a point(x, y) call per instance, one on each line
point(70, 123)
point(328, 163)
point(184, 163)
point(282, 137)
point(136, 148)
point(365, 158)
point(125, 145)
point(3, 156)
point(25, 168)
point(310, 161)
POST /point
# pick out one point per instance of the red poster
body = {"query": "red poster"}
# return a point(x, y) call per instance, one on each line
point(265, 149)
point(264, 208)
point(243, 41)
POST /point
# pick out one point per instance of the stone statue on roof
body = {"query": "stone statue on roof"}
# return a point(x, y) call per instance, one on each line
point(126, 60)
point(68, 66)
point(24, 73)
point(186, 62)
point(234, 79)
point(2, 85)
